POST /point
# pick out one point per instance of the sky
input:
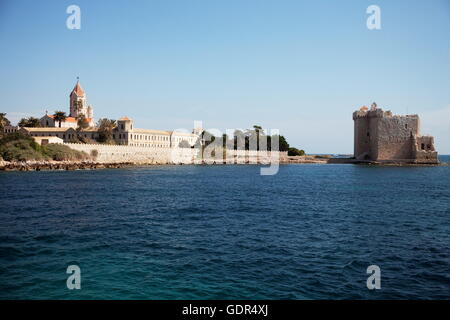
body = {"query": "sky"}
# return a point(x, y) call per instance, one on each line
point(301, 67)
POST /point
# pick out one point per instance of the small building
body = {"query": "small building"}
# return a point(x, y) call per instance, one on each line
point(48, 121)
point(383, 137)
point(46, 140)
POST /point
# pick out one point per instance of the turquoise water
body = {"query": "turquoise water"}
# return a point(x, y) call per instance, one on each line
point(222, 232)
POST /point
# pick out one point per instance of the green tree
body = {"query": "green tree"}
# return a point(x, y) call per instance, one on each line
point(283, 145)
point(105, 130)
point(82, 123)
point(30, 122)
point(295, 152)
point(59, 116)
point(3, 122)
point(239, 139)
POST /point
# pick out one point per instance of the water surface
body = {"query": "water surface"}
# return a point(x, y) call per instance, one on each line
point(221, 232)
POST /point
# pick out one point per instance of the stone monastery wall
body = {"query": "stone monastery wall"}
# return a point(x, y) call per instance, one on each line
point(154, 155)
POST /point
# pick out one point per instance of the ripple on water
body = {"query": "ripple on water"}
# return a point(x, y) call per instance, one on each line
point(187, 232)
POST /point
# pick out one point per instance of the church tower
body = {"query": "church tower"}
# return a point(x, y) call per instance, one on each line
point(78, 101)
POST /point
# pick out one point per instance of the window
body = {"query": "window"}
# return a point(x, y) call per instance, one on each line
point(423, 146)
point(406, 126)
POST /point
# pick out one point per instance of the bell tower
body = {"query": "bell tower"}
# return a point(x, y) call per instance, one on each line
point(78, 101)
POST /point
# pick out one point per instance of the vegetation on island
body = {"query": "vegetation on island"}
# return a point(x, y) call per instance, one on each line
point(184, 144)
point(251, 139)
point(59, 116)
point(105, 130)
point(82, 123)
point(20, 147)
point(295, 152)
point(30, 122)
point(3, 122)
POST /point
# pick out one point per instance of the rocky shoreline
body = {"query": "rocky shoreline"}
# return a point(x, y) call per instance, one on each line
point(91, 165)
point(59, 165)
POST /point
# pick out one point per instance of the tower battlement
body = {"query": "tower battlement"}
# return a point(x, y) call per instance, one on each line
point(380, 113)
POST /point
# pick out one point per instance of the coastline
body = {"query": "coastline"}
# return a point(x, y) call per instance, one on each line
point(60, 165)
point(92, 165)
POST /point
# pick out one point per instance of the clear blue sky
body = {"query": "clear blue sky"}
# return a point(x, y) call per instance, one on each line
point(302, 67)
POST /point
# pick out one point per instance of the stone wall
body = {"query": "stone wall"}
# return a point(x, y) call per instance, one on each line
point(395, 137)
point(153, 155)
point(141, 155)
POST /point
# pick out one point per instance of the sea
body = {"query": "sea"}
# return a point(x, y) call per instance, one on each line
point(311, 231)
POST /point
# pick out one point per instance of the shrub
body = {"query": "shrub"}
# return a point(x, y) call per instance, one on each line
point(295, 152)
point(59, 152)
point(87, 140)
point(20, 147)
point(184, 144)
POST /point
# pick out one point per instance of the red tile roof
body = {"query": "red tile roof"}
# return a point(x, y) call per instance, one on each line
point(71, 119)
point(78, 90)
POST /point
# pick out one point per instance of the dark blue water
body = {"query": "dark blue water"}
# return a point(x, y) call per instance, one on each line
point(219, 232)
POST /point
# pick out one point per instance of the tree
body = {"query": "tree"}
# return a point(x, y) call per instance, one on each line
point(59, 116)
point(82, 123)
point(184, 144)
point(283, 145)
point(207, 138)
point(105, 130)
point(295, 152)
point(30, 122)
point(239, 139)
point(3, 122)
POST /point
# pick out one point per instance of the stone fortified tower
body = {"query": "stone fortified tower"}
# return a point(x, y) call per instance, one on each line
point(381, 136)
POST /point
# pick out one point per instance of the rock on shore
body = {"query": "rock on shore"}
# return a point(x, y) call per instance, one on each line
point(58, 165)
